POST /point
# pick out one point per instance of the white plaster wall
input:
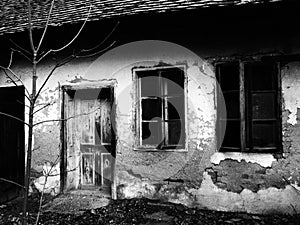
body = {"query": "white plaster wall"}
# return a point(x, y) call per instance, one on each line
point(290, 74)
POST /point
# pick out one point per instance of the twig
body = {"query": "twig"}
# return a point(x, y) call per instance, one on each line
point(43, 107)
point(37, 148)
point(41, 104)
point(22, 103)
point(18, 46)
point(10, 60)
point(13, 117)
point(14, 82)
point(12, 182)
point(48, 77)
point(46, 26)
point(15, 50)
point(96, 53)
point(30, 27)
point(70, 42)
point(71, 117)
point(111, 32)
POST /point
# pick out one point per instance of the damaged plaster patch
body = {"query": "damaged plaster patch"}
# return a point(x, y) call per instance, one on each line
point(268, 200)
point(265, 160)
point(49, 182)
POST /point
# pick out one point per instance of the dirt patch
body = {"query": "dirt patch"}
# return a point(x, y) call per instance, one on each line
point(137, 211)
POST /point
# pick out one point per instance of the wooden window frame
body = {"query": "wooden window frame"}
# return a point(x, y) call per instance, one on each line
point(138, 112)
point(242, 108)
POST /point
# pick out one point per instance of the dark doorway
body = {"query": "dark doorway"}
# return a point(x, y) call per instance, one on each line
point(12, 155)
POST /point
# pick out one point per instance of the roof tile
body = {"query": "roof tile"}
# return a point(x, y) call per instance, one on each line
point(13, 14)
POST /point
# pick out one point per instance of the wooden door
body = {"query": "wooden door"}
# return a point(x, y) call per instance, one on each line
point(93, 125)
point(12, 153)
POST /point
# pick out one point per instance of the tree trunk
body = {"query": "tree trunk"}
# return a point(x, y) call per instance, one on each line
point(30, 135)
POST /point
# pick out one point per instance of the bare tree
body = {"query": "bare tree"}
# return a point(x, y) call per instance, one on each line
point(35, 56)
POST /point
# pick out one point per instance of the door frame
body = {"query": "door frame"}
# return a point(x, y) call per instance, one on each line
point(65, 98)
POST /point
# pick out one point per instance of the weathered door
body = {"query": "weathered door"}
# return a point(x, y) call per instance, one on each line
point(94, 136)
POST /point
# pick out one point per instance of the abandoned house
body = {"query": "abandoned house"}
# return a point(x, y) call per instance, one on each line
point(191, 101)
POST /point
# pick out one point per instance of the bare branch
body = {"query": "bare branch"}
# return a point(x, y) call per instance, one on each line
point(13, 117)
point(46, 26)
point(11, 58)
point(14, 82)
point(70, 42)
point(30, 26)
point(40, 104)
point(22, 103)
point(12, 182)
point(21, 53)
point(96, 53)
point(108, 36)
point(43, 107)
point(48, 77)
point(35, 149)
point(71, 117)
point(21, 48)
point(58, 174)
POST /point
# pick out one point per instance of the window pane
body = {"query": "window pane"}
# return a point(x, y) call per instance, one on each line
point(175, 133)
point(173, 80)
point(229, 76)
point(261, 76)
point(232, 101)
point(151, 133)
point(175, 108)
point(151, 108)
point(149, 83)
point(264, 134)
point(263, 106)
point(232, 134)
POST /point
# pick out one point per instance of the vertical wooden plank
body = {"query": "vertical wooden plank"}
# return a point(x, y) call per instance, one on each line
point(218, 105)
point(242, 106)
point(62, 142)
point(94, 158)
point(164, 108)
point(279, 107)
point(77, 159)
point(139, 112)
point(97, 125)
point(97, 167)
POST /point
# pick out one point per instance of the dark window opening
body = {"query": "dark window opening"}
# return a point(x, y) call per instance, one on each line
point(161, 108)
point(251, 97)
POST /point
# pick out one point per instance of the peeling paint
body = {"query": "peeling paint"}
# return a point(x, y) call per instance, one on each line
point(270, 200)
point(264, 160)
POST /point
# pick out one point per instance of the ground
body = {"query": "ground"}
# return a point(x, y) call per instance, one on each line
point(82, 209)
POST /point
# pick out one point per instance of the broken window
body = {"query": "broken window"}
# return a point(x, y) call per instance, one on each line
point(252, 102)
point(161, 108)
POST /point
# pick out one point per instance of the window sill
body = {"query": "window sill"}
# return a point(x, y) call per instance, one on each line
point(148, 149)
